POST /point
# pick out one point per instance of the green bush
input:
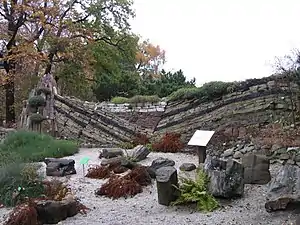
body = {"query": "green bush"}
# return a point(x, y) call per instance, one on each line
point(183, 94)
point(32, 146)
point(136, 99)
point(37, 118)
point(209, 91)
point(18, 182)
point(43, 90)
point(144, 99)
point(36, 101)
point(119, 100)
point(196, 192)
point(18, 179)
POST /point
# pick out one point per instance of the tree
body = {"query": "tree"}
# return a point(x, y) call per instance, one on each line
point(166, 84)
point(115, 73)
point(56, 31)
point(289, 65)
point(150, 59)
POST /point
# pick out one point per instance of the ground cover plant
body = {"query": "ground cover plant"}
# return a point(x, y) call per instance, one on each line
point(196, 191)
point(19, 179)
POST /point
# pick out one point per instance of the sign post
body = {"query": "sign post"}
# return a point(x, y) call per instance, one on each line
point(200, 139)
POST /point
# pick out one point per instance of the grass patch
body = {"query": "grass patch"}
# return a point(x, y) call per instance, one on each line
point(18, 179)
point(34, 147)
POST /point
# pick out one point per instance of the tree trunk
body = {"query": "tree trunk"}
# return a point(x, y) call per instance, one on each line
point(10, 101)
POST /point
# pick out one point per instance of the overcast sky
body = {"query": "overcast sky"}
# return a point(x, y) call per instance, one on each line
point(217, 39)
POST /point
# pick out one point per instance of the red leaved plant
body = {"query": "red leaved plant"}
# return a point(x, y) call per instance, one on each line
point(170, 142)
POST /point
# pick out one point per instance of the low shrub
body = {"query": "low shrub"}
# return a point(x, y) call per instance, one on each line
point(140, 139)
point(183, 94)
point(119, 100)
point(127, 145)
point(209, 91)
point(18, 179)
point(18, 182)
point(33, 146)
point(37, 118)
point(117, 187)
point(144, 99)
point(136, 99)
point(44, 90)
point(36, 101)
point(23, 214)
point(196, 192)
point(170, 142)
point(98, 172)
point(140, 175)
point(55, 190)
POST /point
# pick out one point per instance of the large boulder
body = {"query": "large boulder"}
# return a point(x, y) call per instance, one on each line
point(159, 163)
point(166, 181)
point(284, 189)
point(52, 212)
point(187, 167)
point(59, 167)
point(226, 177)
point(256, 169)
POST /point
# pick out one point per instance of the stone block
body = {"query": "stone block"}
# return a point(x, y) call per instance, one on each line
point(166, 179)
point(256, 169)
point(226, 177)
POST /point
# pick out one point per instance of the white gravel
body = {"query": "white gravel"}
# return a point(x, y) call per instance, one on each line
point(143, 209)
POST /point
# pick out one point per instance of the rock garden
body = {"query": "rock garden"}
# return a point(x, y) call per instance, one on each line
point(49, 181)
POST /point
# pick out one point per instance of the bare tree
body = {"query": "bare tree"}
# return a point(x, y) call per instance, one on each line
point(288, 66)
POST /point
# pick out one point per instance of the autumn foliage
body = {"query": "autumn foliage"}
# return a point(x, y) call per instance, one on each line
point(170, 142)
point(140, 139)
point(150, 58)
point(117, 187)
point(125, 186)
point(24, 214)
point(140, 175)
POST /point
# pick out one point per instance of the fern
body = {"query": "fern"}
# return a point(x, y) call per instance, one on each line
point(196, 191)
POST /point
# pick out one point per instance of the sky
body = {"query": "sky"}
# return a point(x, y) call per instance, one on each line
point(226, 40)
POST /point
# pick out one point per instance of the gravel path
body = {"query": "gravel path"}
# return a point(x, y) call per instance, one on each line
point(143, 209)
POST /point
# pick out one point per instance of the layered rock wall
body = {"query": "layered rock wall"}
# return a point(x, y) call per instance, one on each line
point(255, 104)
point(80, 121)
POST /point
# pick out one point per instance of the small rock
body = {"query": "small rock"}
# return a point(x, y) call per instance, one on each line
point(284, 156)
point(228, 152)
point(297, 158)
point(275, 147)
point(290, 162)
point(187, 167)
point(238, 155)
point(247, 149)
point(108, 153)
point(140, 153)
point(159, 163)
